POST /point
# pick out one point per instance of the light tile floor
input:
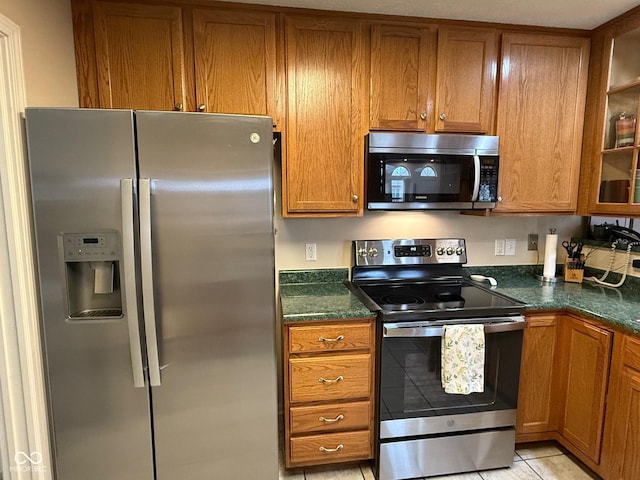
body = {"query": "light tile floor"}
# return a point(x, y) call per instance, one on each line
point(540, 461)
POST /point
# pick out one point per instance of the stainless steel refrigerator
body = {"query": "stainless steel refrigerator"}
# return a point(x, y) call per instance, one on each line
point(155, 250)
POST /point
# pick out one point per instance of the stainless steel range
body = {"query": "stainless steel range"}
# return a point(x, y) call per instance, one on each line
point(417, 288)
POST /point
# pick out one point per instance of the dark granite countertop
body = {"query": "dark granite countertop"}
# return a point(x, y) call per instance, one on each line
point(318, 295)
point(321, 295)
point(619, 307)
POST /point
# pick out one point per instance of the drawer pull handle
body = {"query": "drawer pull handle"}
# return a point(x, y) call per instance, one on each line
point(331, 420)
point(324, 380)
point(337, 339)
point(331, 450)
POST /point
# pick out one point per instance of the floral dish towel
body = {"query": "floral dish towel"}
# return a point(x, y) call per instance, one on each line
point(463, 359)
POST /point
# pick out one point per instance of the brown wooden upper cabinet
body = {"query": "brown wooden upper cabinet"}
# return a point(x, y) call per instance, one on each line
point(611, 179)
point(465, 94)
point(138, 61)
point(540, 121)
point(430, 80)
point(156, 57)
point(322, 173)
point(402, 77)
point(235, 61)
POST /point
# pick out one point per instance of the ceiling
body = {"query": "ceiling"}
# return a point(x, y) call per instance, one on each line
point(583, 14)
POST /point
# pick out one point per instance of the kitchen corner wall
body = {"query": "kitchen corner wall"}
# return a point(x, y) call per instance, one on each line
point(47, 48)
point(333, 235)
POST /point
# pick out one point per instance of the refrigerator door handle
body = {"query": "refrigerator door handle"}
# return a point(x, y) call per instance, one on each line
point(146, 261)
point(129, 267)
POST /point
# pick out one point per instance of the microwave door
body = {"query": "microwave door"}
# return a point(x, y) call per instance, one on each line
point(423, 181)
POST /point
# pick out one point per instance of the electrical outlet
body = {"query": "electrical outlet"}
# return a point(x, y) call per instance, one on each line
point(510, 246)
point(310, 253)
point(532, 241)
point(500, 246)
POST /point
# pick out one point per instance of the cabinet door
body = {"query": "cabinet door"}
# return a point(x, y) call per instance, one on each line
point(536, 392)
point(139, 56)
point(540, 121)
point(322, 172)
point(466, 80)
point(622, 433)
point(587, 371)
point(235, 59)
point(402, 73)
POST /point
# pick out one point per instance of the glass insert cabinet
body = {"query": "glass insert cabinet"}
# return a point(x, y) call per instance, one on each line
point(618, 187)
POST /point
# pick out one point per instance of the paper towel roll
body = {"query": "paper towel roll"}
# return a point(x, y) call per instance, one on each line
point(550, 253)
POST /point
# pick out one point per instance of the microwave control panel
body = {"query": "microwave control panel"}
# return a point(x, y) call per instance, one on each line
point(488, 180)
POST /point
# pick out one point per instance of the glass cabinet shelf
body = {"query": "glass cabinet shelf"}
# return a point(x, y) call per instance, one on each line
point(617, 175)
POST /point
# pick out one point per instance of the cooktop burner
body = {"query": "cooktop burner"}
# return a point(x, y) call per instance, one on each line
point(401, 302)
point(421, 296)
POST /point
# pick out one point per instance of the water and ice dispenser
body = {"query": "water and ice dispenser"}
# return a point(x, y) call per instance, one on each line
point(92, 275)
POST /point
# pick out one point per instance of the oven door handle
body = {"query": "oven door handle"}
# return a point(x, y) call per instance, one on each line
point(393, 330)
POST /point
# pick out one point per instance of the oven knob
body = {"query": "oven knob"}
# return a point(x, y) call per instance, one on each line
point(440, 250)
point(362, 252)
point(459, 251)
point(373, 252)
point(450, 250)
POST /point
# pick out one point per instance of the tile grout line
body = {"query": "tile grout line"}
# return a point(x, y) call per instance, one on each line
point(534, 470)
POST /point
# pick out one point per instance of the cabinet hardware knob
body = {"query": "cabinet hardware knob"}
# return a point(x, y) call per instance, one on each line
point(202, 107)
point(423, 116)
point(177, 107)
point(442, 116)
point(331, 420)
point(355, 199)
point(324, 380)
point(331, 450)
point(337, 339)
point(499, 198)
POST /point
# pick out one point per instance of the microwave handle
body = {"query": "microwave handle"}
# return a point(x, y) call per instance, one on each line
point(476, 178)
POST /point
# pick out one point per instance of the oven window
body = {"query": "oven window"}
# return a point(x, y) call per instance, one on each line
point(411, 379)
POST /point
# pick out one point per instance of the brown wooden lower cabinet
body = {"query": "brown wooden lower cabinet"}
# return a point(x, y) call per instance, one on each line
point(328, 391)
point(585, 372)
point(621, 445)
point(536, 418)
point(573, 392)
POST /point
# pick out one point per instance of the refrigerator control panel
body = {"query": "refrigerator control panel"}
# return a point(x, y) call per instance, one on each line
point(87, 247)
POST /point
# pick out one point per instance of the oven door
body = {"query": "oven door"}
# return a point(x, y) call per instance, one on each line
point(412, 399)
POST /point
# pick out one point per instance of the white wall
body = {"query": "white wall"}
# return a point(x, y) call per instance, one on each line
point(333, 235)
point(47, 46)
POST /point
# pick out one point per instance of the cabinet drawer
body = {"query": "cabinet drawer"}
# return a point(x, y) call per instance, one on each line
point(330, 337)
point(330, 418)
point(331, 447)
point(330, 377)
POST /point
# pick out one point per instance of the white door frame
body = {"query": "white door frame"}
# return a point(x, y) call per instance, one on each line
point(24, 441)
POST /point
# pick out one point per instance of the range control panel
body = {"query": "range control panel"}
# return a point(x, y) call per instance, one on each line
point(410, 251)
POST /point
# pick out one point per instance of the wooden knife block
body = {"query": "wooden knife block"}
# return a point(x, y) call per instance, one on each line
point(574, 270)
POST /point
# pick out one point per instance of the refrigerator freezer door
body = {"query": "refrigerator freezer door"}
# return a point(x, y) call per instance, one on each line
point(99, 420)
point(215, 413)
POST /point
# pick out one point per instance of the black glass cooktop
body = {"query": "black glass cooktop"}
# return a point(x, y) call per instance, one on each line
point(435, 299)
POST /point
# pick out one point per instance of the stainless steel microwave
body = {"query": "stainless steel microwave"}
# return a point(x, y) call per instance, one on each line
point(417, 171)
